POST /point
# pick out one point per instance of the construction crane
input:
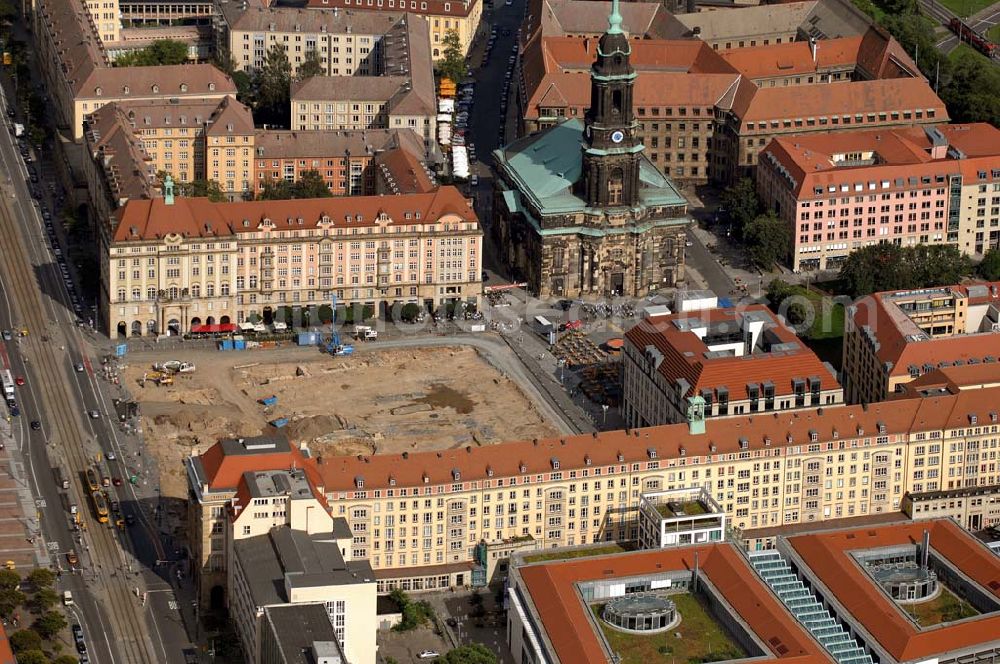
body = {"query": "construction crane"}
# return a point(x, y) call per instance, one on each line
point(334, 345)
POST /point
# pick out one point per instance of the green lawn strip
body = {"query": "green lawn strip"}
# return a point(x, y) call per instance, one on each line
point(702, 639)
point(574, 553)
point(946, 607)
point(966, 8)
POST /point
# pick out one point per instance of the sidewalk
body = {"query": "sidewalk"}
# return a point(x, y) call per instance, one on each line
point(21, 537)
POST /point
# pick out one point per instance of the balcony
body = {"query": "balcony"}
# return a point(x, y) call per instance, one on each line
point(172, 295)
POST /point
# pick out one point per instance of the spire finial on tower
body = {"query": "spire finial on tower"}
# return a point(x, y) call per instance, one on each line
point(615, 19)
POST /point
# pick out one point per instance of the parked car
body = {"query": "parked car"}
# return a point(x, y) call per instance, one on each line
point(428, 654)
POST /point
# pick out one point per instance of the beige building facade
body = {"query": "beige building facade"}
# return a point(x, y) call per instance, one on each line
point(427, 518)
point(106, 15)
point(178, 262)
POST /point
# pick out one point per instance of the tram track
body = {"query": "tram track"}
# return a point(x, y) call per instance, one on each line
point(62, 412)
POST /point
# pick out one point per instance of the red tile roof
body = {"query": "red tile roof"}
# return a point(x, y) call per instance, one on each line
point(684, 354)
point(894, 331)
point(814, 101)
point(6, 653)
point(199, 217)
point(654, 89)
point(953, 379)
point(903, 152)
point(794, 58)
point(428, 7)
point(224, 472)
point(826, 554)
point(552, 588)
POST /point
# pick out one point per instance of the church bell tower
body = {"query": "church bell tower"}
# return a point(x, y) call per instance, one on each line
point(611, 148)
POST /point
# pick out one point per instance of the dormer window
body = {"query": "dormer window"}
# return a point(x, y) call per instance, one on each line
point(712, 448)
point(587, 460)
point(767, 441)
point(392, 481)
point(522, 468)
point(184, 87)
point(744, 443)
point(156, 89)
point(813, 436)
point(426, 478)
point(651, 451)
point(456, 474)
point(555, 463)
point(211, 86)
point(881, 427)
point(973, 420)
point(621, 457)
point(99, 92)
point(682, 450)
point(489, 471)
point(359, 482)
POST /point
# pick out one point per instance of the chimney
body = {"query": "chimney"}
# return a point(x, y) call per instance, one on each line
point(812, 48)
point(925, 550)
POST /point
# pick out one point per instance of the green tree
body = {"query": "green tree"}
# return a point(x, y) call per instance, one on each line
point(409, 312)
point(10, 599)
point(41, 577)
point(32, 657)
point(8, 12)
point(973, 91)
point(311, 185)
point(937, 264)
point(989, 267)
point(778, 291)
point(276, 190)
point(202, 188)
point(49, 624)
point(414, 614)
point(9, 579)
point(741, 204)
point(25, 639)
point(452, 64)
point(474, 653)
point(65, 659)
point(874, 268)
point(768, 240)
point(43, 600)
point(311, 65)
point(272, 85)
point(160, 52)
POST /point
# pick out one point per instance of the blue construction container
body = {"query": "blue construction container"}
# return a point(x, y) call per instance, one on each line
point(226, 344)
point(269, 401)
point(240, 344)
point(280, 422)
point(307, 338)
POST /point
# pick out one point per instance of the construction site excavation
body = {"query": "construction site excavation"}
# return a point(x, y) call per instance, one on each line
point(377, 401)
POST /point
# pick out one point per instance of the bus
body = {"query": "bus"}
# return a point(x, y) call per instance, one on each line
point(100, 506)
point(8, 383)
point(92, 482)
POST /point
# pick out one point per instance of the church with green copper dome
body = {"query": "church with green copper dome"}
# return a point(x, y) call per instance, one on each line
point(579, 210)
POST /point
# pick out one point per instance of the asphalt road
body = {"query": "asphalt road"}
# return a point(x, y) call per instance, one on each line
point(116, 567)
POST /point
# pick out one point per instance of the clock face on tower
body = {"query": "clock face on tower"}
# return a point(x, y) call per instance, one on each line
point(617, 137)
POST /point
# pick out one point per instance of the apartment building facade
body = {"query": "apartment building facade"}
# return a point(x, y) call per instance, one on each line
point(348, 43)
point(176, 262)
point(759, 115)
point(346, 160)
point(197, 140)
point(425, 520)
point(896, 337)
point(908, 186)
point(399, 94)
point(736, 361)
point(443, 16)
point(106, 17)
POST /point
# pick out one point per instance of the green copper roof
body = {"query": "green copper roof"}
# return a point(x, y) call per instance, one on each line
point(615, 20)
point(544, 167)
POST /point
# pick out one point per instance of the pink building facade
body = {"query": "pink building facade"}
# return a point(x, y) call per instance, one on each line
point(842, 192)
